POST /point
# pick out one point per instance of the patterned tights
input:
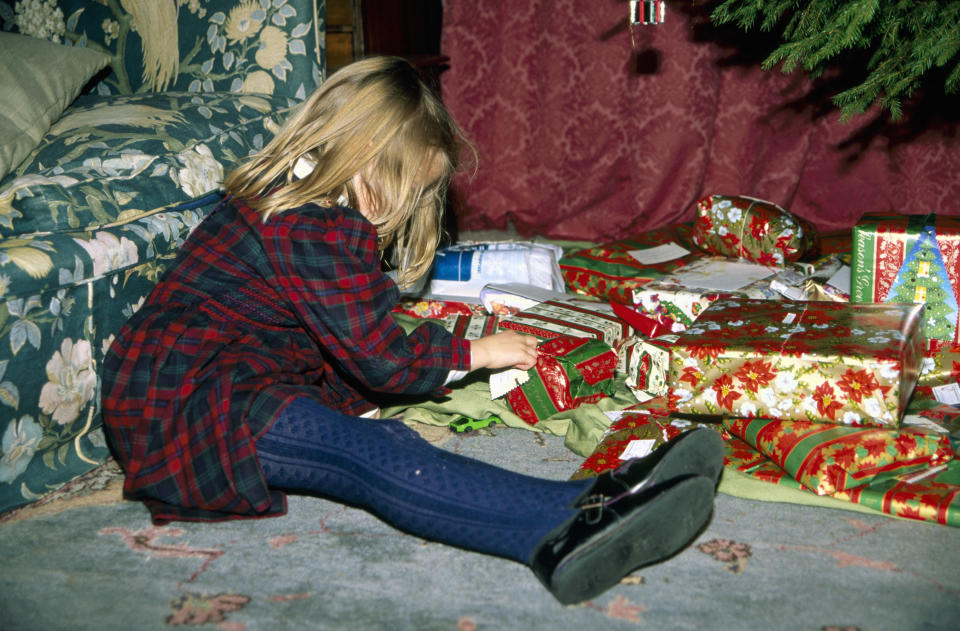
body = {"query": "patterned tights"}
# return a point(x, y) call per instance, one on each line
point(386, 468)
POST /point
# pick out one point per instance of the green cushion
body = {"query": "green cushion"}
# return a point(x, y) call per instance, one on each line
point(111, 159)
point(40, 79)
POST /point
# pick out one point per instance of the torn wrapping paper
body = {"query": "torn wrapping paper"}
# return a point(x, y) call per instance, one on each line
point(612, 271)
point(505, 299)
point(751, 229)
point(827, 458)
point(570, 371)
point(815, 361)
point(915, 258)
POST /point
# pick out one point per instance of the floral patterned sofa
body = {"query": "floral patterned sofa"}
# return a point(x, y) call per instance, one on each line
point(109, 188)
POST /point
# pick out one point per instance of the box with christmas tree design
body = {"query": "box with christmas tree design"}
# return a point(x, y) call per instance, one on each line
point(910, 258)
point(815, 361)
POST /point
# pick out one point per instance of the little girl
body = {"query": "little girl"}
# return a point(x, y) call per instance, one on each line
point(248, 368)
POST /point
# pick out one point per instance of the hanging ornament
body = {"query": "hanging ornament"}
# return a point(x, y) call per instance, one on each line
point(647, 12)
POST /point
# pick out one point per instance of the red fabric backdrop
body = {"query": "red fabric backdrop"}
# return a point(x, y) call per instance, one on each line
point(583, 135)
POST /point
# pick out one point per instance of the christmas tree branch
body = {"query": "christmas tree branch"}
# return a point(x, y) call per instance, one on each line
point(906, 40)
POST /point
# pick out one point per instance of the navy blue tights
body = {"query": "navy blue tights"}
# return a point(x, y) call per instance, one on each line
point(386, 468)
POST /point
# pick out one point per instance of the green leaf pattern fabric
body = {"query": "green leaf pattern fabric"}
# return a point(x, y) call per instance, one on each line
point(92, 217)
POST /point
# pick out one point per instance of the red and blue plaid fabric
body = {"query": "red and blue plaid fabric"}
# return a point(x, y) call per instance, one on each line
point(250, 315)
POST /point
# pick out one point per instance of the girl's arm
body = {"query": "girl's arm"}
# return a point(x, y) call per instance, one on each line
point(504, 350)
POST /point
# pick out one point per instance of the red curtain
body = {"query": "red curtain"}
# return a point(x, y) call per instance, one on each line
point(583, 134)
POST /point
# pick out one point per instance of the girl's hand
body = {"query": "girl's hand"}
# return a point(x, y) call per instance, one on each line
point(504, 350)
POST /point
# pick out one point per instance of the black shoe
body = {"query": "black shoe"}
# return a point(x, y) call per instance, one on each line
point(698, 451)
point(609, 539)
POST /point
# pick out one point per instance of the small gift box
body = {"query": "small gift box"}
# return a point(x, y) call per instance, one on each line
point(816, 361)
point(634, 435)
point(574, 319)
point(646, 363)
point(612, 271)
point(570, 371)
point(827, 458)
point(751, 229)
point(910, 258)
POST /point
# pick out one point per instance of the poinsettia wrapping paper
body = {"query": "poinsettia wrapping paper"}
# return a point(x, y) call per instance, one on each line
point(935, 498)
point(631, 426)
point(570, 371)
point(610, 272)
point(751, 229)
point(910, 258)
point(827, 458)
point(815, 361)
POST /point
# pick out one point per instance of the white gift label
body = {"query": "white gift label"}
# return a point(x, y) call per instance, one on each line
point(638, 448)
point(949, 393)
point(659, 253)
point(505, 381)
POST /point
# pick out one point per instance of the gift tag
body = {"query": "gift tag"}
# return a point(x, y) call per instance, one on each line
point(638, 448)
point(504, 381)
point(659, 254)
point(949, 393)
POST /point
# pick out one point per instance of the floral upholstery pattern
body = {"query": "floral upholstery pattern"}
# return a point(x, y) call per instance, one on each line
point(92, 217)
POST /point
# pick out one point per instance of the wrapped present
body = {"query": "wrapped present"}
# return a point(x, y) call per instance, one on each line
point(634, 435)
point(932, 495)
point(827, 458)
point(816, 361)
point(569, 318)
point(910, 258)
point(570, 371)
point(646, 364)
point(751, 229)
point(612, 271)
point(436, 309)
point(470, 327)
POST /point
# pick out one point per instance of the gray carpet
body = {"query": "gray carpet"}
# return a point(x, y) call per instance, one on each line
point(85, 559)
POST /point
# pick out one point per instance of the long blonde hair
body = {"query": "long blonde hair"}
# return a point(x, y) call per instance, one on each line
point(374, 117)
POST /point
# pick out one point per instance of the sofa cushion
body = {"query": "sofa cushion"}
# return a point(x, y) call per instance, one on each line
point(112, 159)
point(263, 46)
point(40, 79)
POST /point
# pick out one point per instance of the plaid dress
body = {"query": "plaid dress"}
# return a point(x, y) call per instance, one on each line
point(249, 316)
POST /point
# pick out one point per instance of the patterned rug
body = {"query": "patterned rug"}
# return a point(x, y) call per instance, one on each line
point(83, 558)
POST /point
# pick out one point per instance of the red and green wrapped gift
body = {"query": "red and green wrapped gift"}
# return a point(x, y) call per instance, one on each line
point(827, 458)
point(934, 497)
point(570, 371)
point(752, 229)
point(436, 309)
point(554, 318)
point(612, 271)
point(807, 361)
point(649, 428)
point(910, 258)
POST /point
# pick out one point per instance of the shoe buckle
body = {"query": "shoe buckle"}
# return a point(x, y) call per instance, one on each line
point(592, 507)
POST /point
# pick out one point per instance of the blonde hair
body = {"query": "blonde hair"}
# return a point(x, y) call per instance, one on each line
point(374, 117)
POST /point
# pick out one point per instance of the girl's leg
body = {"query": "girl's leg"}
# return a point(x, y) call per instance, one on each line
point(385, 467)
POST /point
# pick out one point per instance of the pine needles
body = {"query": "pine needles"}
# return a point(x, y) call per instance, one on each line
point(903, 40)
